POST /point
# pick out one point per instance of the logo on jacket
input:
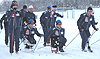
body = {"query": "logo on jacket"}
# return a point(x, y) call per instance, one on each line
point(86, 19)
point(13, 15)
point(27, 32)
point(56, 32)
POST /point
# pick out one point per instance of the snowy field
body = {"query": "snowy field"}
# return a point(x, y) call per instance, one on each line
point(73, 51)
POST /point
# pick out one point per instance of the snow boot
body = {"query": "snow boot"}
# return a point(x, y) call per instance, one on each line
point(44, 44)
point(61, 49)
point(27, 46)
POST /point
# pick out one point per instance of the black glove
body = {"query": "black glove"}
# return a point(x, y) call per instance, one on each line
point(61, 16)
point(96, 29)
point(42, 24)
point(96, 23)
point(81, 30)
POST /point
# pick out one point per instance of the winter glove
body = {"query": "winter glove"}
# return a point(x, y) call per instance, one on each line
point(96, 29)
point(35, 24)
point(96, 23)
point(42, 24)
point(81, 30)
point(62, 16)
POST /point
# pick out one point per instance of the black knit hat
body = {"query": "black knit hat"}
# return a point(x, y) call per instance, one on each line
point(89, 9)
point(25, 7)
point(14, 3)
point(54, 6)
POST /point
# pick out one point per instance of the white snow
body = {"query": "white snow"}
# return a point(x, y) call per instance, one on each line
point(73, 50)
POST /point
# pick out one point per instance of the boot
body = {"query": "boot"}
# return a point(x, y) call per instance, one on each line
point(44, 44)
point(27, 46)
point(61, 49)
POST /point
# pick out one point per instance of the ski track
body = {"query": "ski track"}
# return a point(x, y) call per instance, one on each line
point(73, 51)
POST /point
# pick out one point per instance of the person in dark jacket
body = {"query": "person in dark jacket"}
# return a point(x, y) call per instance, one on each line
point(4, 17)
point(22, 12)
point(54, 16)
point(58, 39)
point(29, 15)
point(14, 26)
point(28, 34)
point(44, 21)
point(84, 22)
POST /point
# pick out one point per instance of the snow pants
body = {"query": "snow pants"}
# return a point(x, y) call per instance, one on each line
point(6, 32)
point(84, 35)
point(45, 30)
point(14, 38)
point(58, 42)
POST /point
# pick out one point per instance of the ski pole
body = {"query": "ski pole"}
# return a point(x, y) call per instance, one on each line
point(90, 36)
point(72, 40)
point(39, 28)
point(95, 42)
point(36, 45)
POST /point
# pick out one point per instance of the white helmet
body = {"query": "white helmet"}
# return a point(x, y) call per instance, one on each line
point(30, 6)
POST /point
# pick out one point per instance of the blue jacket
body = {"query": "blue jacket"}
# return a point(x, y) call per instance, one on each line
point(56, 32)
point(30, 32)
point(53, 18)
point(85, 21)
point(11, 16)
point(45, 18)
point(29, 16)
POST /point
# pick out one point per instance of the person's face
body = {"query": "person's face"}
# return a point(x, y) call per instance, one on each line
point(49, 9)
point(31, 10)
point(25, 10)
point(15, 7)
point(30, 25)
point(59, 25)
point(54, 10)
point(89, 13)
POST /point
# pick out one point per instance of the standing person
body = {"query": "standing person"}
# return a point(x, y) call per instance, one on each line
point(44, 21)
point(4, 17)
point(54, 16)
point(58, 39)
point(22, 12)
point(28, 34)
point(29, 15)
point(14, 26)
point(84, 22)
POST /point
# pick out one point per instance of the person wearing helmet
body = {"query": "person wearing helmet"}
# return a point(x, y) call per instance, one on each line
point(28, 34)
point(84, 22)
point(44, 21)
point(58, 39)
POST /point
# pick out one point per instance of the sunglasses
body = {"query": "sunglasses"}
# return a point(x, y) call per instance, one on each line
point(58, 24)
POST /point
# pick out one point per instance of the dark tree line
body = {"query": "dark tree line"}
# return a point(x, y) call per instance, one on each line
point(40, 5)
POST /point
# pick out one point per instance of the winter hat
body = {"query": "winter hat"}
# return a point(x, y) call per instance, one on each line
point(89, 9)
point(54, 7)
point(14, 3)
point(30, 6)
point(49, 7)
point(25, 7)
point(58, 22)
point(31, 21)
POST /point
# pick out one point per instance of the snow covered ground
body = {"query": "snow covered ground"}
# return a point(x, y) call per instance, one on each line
point(73, 51)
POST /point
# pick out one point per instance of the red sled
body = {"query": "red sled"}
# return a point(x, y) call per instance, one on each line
point(54, 50)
